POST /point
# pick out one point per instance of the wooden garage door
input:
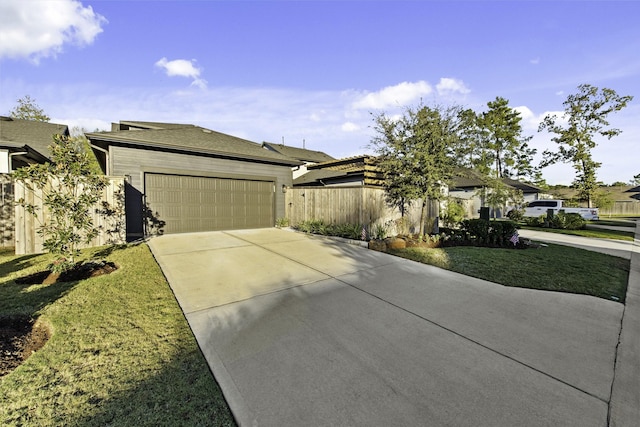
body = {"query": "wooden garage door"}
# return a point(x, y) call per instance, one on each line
point(195, 203)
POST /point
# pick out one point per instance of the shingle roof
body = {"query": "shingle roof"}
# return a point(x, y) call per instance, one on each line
point(194, 139)
point(17, 134)
point(301, 154)
point(468, 178)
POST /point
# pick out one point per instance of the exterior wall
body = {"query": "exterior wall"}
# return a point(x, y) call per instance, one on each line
point(134, 162)
point(27, 239)
point(6, 211)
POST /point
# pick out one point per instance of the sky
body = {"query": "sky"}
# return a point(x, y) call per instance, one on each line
point(316, 73)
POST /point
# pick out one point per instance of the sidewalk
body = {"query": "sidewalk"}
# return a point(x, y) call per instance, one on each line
point(619, 248)
point(624, 407)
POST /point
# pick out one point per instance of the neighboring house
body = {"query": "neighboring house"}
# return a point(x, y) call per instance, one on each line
point(467, 186)
point(26, 141)
point(185, 178)
point(22, 142)
point(307, 157)
point(350, 171)
point(626, 199)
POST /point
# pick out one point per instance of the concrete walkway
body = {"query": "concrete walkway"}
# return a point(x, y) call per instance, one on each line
point(619, 248)
point(301, 330)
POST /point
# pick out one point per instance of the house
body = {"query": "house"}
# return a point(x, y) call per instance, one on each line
point(26, 141)
point(22, 142)
point(351, 171)
point(307, 157)
point(185, 178)
point(467, 184)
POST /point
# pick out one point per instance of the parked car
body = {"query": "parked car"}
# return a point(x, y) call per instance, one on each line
point(540, 207)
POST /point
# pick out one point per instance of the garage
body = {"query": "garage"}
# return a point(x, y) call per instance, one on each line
point(181, 178)
point(186, 203)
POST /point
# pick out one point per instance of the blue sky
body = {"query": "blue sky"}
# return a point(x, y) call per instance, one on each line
point(317, 71)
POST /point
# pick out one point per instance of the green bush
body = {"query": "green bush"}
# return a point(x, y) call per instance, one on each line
point(516, 214)
point(483, 232)
point(348, 231)
point(568, 221)
point(536, 221)
point(453, 214)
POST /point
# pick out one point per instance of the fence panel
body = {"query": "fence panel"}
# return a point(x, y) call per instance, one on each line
point(627, 207)
point(112, 228)
point(6, 211)
point(347, 205)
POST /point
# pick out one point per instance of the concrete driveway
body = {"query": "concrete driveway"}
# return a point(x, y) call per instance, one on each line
point(302, 330)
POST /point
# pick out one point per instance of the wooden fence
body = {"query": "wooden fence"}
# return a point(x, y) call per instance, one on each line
point(624, 208)
point(347, 205)
point(108, 215)
point(6, 211)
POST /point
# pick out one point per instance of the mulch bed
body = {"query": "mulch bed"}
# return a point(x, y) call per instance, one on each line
point(20, 337)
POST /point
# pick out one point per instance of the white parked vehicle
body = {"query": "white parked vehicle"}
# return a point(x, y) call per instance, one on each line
point(540, 207)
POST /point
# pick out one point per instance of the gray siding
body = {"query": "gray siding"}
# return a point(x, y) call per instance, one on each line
point(133, 163)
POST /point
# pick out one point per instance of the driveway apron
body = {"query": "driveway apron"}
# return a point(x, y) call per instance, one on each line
point(303, 330)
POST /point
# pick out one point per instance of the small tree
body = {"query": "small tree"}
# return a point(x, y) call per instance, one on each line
point(27, 109)
point(70, 191)
point(415, 154)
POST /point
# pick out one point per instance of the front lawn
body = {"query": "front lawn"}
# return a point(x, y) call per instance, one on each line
point(551, 267)
point(121, 352)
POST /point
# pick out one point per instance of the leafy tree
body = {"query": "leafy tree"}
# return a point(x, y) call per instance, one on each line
point(586, 117)
point(504, 144)
point(70, 190)
point(603, 199)
point(415, 154)
point(492, 144)
point(636, 180)
point(27, 109)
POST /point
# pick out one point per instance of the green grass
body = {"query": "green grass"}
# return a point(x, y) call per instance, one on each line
point(551, 268)
point(621, 222)
point(598, 233)
point(121, 353)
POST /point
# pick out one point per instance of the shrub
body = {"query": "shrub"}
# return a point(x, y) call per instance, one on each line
point(568, 221)
point(282, 222)
point(453, 214)
point(493, 233)
point(516, 214)
point(536, 221)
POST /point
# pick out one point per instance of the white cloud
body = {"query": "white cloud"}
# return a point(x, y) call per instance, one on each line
point(535, 61)
point(449, 86)
point(38, 29)
point(350, 127)
point(183, 68)
point(399, 95)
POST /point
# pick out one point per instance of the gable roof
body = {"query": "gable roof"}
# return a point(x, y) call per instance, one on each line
point(29, 135)
point(190, 139)
point(301, 154)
